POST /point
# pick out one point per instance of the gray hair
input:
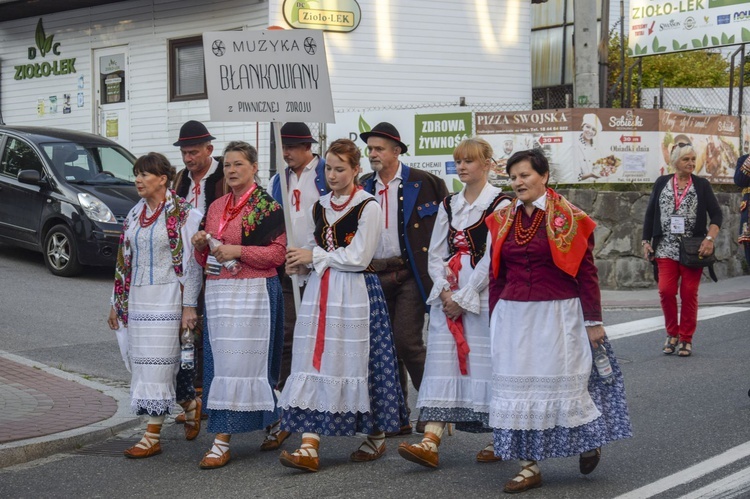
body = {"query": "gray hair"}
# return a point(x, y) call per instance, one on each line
point(679, 150)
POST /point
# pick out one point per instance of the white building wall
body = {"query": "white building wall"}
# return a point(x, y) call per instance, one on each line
point(430, 51)
point(404, 52)
point(144, 27)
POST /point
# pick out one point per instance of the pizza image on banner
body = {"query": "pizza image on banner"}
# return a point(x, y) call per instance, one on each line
point(615, 145)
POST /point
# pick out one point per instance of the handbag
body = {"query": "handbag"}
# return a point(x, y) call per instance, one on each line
point(689, 257)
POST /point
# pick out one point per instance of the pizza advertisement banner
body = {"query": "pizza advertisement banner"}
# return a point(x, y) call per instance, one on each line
point(509, 132)
point(583, 146)
point(615, 145)
point(715, 138)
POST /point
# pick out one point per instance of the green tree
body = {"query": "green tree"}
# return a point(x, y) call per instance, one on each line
point(694, 69)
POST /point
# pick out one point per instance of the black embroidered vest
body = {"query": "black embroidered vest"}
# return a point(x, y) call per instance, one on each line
point(476, 235)
point(343, 229)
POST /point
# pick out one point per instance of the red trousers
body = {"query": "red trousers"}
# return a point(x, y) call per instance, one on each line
point(671, 273)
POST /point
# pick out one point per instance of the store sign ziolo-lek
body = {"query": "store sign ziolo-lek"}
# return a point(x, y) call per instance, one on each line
point(658, 26)
point(328, 15)
point(44, 46)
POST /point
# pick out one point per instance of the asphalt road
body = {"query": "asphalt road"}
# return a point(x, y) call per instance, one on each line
point(690, 416)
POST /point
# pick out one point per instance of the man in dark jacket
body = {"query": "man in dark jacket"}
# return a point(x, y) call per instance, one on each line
point(201, 182)
point(410, 199)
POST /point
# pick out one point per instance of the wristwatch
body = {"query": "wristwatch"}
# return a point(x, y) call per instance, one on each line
point(710, 238)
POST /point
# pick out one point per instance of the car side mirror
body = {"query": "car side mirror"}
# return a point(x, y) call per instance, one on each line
point(31, 177)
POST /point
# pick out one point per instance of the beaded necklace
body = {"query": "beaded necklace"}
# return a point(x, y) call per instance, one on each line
point(524, 236)
point(146, 221)
point(340, 207)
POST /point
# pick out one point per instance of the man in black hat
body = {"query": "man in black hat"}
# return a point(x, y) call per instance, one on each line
point(306, 181)
point(200, 182)
point(410, 199)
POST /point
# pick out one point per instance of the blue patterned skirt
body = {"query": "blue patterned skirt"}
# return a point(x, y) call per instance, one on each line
point(226, 421)
point(613, 424)
point(387, 407)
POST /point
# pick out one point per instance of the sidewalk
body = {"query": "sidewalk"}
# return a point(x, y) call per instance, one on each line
point(44, 411)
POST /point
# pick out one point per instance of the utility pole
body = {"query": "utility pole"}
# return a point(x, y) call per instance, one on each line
point(585, 54)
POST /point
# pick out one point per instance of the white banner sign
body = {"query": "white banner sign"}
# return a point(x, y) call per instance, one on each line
point(658, 27)
point(268, 75)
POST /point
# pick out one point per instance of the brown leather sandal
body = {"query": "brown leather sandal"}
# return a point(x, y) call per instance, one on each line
point(419, 453)
point(670, 345)
point(685, 349)
point(528, 481)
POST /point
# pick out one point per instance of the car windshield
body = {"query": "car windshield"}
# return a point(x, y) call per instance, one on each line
point(81, 163)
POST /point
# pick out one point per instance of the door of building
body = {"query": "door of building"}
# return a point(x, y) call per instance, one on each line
point(111, 78)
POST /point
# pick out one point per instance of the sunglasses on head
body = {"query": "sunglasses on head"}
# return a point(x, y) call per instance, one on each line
point(683, 144)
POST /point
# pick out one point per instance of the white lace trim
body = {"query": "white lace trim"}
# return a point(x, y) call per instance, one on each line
point(541, 402)
point(325, 393)
point(468, 299)
point(240, 394)
point(438, 286)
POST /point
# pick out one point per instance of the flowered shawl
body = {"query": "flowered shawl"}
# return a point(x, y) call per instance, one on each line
point(262, 218)
point(568, 231)
point(176, 212)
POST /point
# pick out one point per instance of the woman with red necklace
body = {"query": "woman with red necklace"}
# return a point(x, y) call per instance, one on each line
point(344, 377)
point(157, 282)
point(548, 399)
point(244, 308)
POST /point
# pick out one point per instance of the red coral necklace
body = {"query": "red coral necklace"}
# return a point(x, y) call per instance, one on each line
point(524, 236)
point(146, 221)
point(341, 207)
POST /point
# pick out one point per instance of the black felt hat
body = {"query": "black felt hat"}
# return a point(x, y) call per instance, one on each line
point(296, 133)
point(193, 132)
point(387, 131)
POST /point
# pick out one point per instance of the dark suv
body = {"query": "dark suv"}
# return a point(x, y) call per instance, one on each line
point(65, 194)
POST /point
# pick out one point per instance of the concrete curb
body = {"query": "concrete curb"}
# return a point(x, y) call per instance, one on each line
point(23, 451)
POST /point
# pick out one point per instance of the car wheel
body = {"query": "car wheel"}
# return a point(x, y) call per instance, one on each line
point(60, 252)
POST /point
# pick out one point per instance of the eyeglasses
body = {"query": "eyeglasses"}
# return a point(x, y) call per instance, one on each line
point(683, 144)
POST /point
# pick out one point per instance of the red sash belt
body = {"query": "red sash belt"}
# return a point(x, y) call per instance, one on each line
point(320, 337)
point(456, 326)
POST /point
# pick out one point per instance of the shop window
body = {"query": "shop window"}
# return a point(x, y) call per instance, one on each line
point(187, 77)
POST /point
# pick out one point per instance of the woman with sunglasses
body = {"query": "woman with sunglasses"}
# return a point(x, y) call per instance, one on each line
point(677, 208)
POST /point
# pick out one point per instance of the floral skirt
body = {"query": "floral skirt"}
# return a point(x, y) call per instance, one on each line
point(613, 424)
point(387, 408)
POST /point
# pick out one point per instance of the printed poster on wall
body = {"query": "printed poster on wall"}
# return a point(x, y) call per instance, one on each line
point(715, 138)
point(615, 145)
point(508, 132)
point(659, 27)
point(430, 137)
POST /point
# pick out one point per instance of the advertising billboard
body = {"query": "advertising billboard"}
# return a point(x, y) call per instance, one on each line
point(659, 27)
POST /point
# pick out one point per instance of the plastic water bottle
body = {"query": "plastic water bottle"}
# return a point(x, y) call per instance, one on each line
point(602, 365)
point(233, 266)
point(187, 349)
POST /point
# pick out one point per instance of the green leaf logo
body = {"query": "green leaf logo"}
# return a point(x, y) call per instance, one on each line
point(363, 126)
point(457, 185)
point(43, 42)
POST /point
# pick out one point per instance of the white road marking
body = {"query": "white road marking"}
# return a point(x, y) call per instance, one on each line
point(735, 485)
point(692, 473)
point(643, 326)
